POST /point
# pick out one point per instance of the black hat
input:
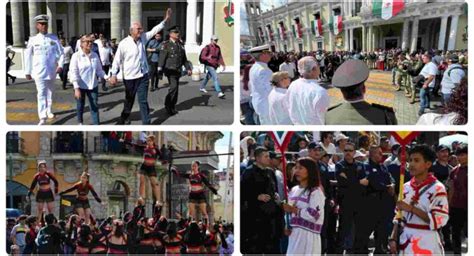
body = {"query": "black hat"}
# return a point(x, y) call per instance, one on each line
point(174, 29)
point(313, 145)
point(274, 155)
point(454, 58)
point(461, 150)
point(441, 148)
point(350, 73)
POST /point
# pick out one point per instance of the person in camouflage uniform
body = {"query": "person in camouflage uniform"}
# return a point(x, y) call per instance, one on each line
point(416, 65)
point(403, 78)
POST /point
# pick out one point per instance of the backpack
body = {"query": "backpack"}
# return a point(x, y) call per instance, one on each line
point(449, 72)
point(204, 52)
point(43, 241)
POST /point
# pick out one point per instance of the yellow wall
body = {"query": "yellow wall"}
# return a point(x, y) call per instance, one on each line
point(224, 32)
point(462, 23)
point(31, 144)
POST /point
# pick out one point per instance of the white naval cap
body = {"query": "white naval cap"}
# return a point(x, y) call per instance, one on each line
point(41, 18)
point(259, 49)
point(214, 37)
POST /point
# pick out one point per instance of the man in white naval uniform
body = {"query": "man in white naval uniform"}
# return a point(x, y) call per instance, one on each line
point(43, 60)
point(260, 77)
point(308, 101)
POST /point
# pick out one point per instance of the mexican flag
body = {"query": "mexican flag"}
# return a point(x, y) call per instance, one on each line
point(297, 32)
point(335, 23)
point(282, 32)
point(316, 27)
point(386, 9)
point(229, 13)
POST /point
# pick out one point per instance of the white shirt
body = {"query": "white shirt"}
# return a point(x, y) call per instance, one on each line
point(259, 78)
point(105, 53)
point(84, 70)
point(308, 102)
point(288, 67)
point(67, 54)
point(330, 149)
point(43, 55)
point(437, 119)
point(278, 107)
point(453, 75)
point(244, 94)
point(430, 69)
point(131, 56)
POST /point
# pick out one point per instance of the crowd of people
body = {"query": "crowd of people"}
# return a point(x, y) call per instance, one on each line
point(132, 233)
point(142, 58)
point(336, 190)
point(277, 86)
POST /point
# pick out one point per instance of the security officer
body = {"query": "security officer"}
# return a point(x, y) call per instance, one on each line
point(172, 59)
point(375, 210)
point(43, 60)
point(350, 77)
point(351, 181)
point(262, 217)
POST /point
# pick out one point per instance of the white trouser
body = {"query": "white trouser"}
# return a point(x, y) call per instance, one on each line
point(45, 97)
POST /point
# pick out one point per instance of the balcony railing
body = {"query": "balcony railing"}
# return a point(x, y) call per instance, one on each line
point(68, 143)
point(15, 145)
point(103, 145)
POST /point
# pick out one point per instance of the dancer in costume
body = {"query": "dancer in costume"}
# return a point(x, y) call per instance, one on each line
point(82, 205)
point(45, 194)
point(197, 195)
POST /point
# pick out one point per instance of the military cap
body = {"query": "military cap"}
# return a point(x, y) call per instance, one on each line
point(41, 18)
point(259, 49)
point(350, 73)
point(174, 29)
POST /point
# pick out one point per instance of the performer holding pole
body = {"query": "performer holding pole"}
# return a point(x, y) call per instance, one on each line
point(424, 208)
point(44, 195)
point(82, 205)
point(197, 196)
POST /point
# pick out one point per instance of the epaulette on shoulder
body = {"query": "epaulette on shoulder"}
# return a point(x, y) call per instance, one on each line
point(335, 106)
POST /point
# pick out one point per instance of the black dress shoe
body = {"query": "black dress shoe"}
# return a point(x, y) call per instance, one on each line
point(152, 89)
point(13, 79)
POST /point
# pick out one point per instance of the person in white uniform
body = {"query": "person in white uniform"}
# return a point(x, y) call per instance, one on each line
point(289, 66)
point(259, 78)
point(43, 60)
point(278, 100)
point(306, 205)
point(308, 101)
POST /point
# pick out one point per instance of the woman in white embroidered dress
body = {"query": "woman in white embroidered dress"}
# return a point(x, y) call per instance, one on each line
point(306, 205)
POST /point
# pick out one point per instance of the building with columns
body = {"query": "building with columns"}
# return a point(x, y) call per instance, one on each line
point(197, 19)
point(113, 173)
point(421, 24)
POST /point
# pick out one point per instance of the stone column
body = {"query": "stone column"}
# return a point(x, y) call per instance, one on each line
point(308, 29)
point(453, 32)
point(136, 11)
point(116, 20)
point(370, 37)
point(208, 22)
point(414, 34)
point(71, 20)
point(17, 23)
point(347, 38)
point(442, 33)
point(82, 24)
point(51, 12)
point(364, 39)
point(406, 24)
point(351, 39)
point(33, 11)
point(191, 22)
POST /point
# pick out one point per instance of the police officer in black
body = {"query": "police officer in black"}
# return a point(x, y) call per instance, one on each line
point(328, 233)
point(375, 210)
point(172, 59)
point(261, 214)
point(351, 181)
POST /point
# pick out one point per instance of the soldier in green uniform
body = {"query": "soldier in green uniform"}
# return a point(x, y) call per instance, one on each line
point(413, 71)
point(172, 59)
point(350, 78)
point(403, 78)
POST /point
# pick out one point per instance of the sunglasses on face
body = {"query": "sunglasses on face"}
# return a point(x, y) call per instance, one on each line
point(43, 23)
point(87, 41)
point(348, 150)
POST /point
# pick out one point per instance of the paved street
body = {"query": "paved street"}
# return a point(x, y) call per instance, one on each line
point(194, 107)
point(380, 91)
